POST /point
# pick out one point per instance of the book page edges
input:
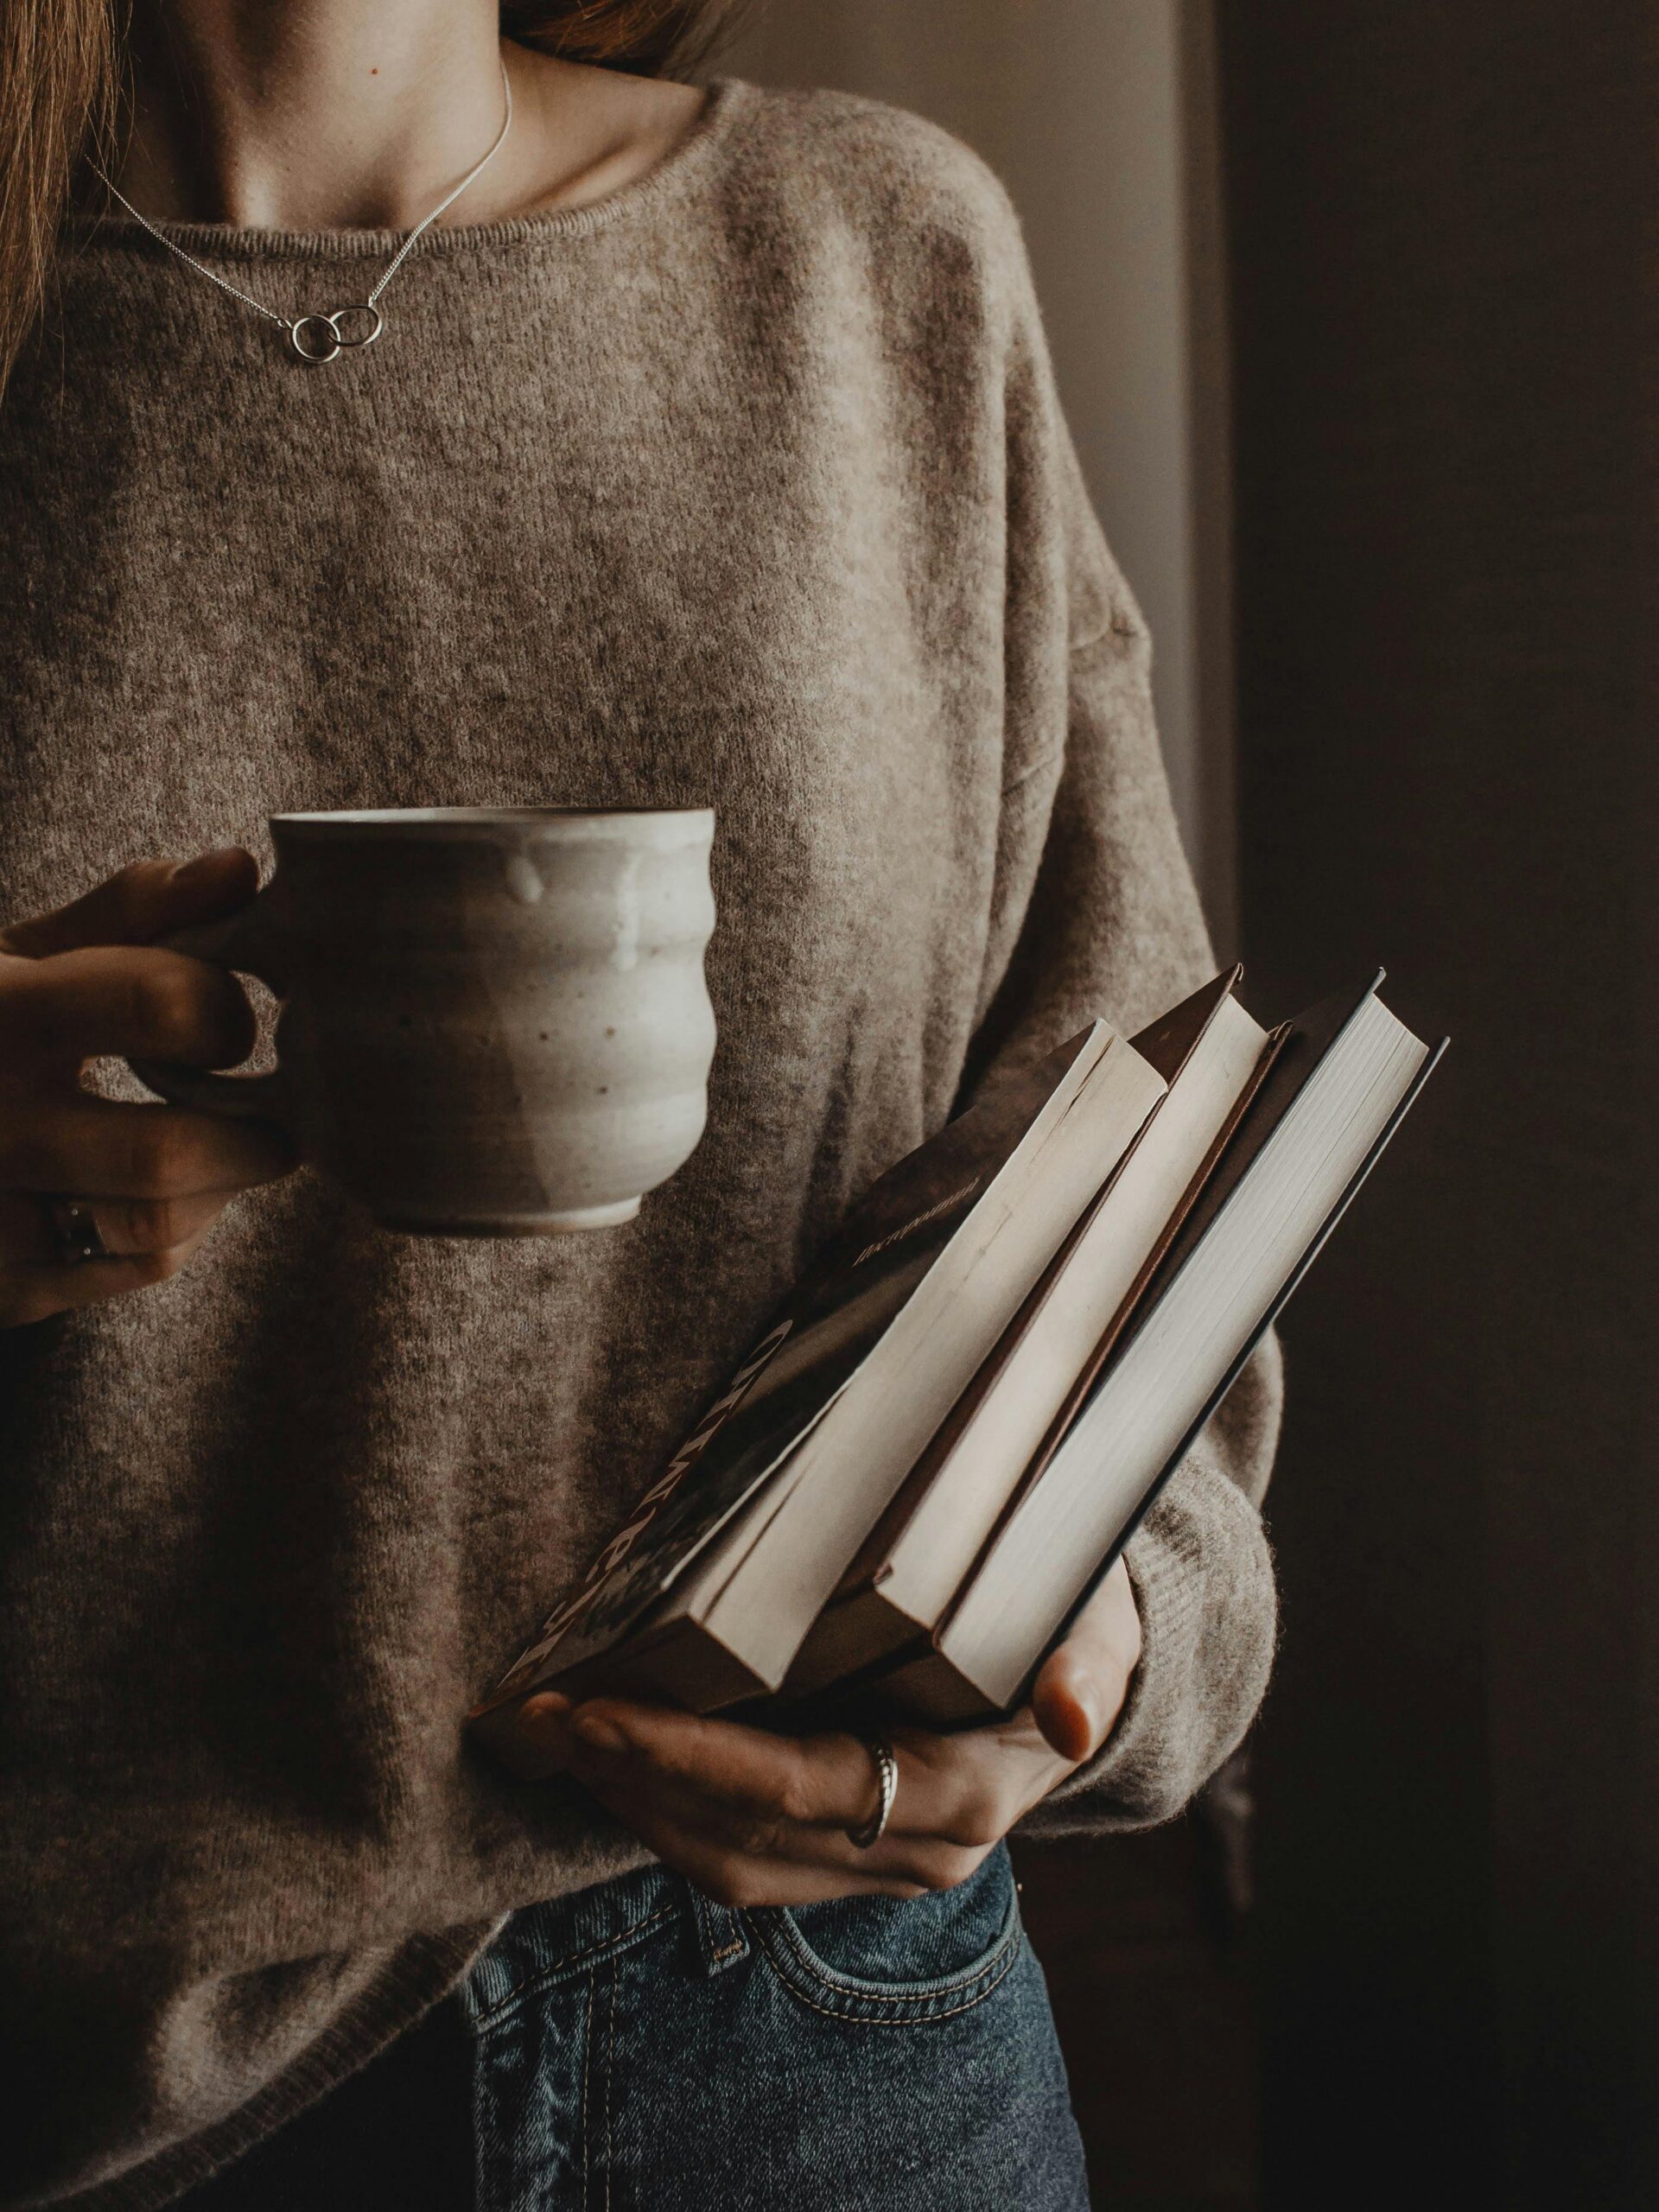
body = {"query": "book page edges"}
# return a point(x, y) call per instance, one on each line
point(989, 1219)
point(892, 1439)
point(1078, 1057)
point(919, 1493)
point(1025, 1451)
point(1167, 1046)
point(1235, 1367)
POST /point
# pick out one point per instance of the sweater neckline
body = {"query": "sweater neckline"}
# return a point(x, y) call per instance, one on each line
point(729, 100)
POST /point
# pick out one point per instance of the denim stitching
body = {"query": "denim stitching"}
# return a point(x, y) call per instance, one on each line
point(587, 2053)
point(706, 1917)
point(818, 1970)
point(891, 2019)
point(610, 2049)
point(570, 1958)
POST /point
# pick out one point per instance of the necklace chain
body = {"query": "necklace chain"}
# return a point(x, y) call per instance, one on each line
point(318, 338)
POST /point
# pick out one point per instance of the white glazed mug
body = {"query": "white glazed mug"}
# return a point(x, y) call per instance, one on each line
point(495, 1021)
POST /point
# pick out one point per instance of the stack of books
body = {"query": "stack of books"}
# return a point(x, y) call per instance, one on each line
point(922, 1469)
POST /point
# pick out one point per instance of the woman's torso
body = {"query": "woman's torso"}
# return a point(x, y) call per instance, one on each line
point(696, 498)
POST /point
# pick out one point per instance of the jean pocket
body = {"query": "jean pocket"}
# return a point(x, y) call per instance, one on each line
point(890, 1959)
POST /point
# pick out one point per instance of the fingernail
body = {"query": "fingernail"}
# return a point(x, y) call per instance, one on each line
point(205, 864)
point(598, 1733)
point(542, 1717)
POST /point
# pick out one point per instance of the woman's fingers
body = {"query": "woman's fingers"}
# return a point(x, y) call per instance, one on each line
point(824, 1781)
point(755, 1818)
point(106, 1000)
point(761, 1816)
point(128, 1229)
point(87, 981)
point(35, 1281)
point(97, 1148)
point(745, 1864)
point(140, 903)
point(752, 1866)
point(1081, 1688)
point(962, 1790)
point(977, 1784)
point(734, 1877)
point(660, 1774)
point(35, 1294)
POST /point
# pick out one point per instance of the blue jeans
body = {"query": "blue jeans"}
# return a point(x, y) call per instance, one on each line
point(635, 2049)
point(640, 2050)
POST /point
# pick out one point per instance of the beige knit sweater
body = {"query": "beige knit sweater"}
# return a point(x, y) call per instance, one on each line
point(747, 486)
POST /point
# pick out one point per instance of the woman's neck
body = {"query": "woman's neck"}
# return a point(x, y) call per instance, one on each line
point(312, 115)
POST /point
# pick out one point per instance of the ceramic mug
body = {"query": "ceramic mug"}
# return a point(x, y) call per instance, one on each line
point(494, 1021)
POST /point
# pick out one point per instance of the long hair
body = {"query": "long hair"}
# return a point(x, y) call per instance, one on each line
point(58, 74)
point(61, 70)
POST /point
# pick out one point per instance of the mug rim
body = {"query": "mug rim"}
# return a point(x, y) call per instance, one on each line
point(463, 821)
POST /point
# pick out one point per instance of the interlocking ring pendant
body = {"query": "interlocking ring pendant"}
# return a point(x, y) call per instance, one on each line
point(320, 339)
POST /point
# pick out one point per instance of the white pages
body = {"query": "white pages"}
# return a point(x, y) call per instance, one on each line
point(1054, 1541)
point(934, 1551)
point(760, 1587)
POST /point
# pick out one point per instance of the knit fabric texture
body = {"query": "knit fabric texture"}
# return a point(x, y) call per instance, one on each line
point(747, 486)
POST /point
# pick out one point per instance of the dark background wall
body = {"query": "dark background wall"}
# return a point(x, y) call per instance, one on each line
point(1443, 253)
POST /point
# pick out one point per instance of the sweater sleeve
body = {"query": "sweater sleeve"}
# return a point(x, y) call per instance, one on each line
point(1095, 913)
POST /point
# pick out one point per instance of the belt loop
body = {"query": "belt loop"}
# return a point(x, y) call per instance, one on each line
point(720, 1934)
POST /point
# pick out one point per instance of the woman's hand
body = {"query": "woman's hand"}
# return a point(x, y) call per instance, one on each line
point(753, 1819)
point(87, 982)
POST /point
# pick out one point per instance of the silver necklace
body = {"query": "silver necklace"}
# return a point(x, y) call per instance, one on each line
point(319, 339)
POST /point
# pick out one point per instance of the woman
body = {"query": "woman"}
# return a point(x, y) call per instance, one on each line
point(706, 451)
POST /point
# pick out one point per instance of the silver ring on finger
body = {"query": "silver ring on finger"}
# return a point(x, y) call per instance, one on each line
point(75, 1231)
point(887, 1769)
